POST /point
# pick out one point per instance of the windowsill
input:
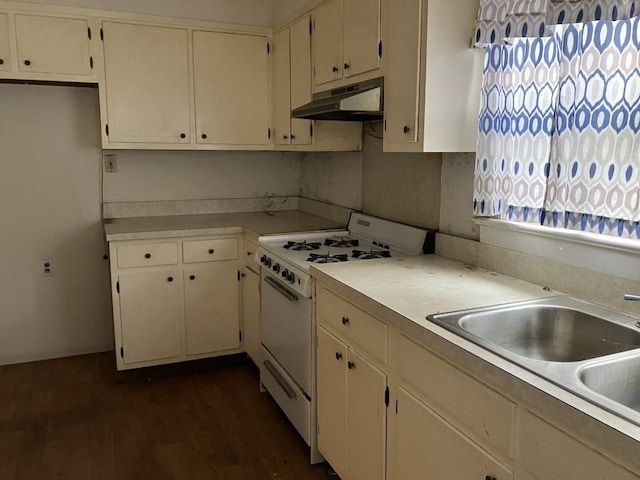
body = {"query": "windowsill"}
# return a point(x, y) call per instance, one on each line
point(605, 253)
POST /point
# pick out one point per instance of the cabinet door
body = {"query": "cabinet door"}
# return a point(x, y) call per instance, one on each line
point(361, 36)
point(426, 446)
point(281, 89)
point(231, 88)
point(5, 48)
point(366, 419)
point(211, 307)
point(251, 317)
point(150, 315)
point(403, 51)
point(327, 43)
point(300, 49)
point(550, 453)
point(332, 401)
point(52, 45)
point(147, 83)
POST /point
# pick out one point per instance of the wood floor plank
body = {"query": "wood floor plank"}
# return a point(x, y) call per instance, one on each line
point(78, 418)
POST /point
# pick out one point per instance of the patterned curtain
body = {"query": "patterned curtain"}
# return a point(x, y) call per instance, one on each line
point(589, 91)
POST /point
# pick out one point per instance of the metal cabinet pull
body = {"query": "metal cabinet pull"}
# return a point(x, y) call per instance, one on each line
point(192, 277)
point(290, 392)
point(27, 62)
point(170, 279)
point(345, 321)
point(335, 69)
point(338, 356)
point(351, 365)
point(211, 251)
point(183, 135)
point(147, 255)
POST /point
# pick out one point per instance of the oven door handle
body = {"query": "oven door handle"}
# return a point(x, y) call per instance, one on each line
point(292, 297)
point(290, 392)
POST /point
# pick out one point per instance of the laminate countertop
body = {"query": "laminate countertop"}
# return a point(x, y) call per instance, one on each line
point(253, 224)
point(403, 291)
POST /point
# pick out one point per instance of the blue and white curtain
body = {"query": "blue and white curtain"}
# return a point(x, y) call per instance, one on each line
point(560, 145)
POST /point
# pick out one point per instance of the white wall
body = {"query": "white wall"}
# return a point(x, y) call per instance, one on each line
point(283, 10)
point(150, 176)
point(456, 209)
point(403, 187)
point(50, 207)
point(248, 12)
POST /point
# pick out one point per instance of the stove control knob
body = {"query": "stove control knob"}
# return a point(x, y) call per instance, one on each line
point(267, 262)
point(291, 277)
point(276, 268)
point(263, 259)
point(285, 273)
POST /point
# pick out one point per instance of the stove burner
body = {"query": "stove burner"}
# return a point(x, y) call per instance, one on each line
point(362, 255)
point(341, 242)
point(297, 246)
point(315, 258)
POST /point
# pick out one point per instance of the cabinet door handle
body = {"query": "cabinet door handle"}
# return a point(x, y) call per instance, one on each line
point(335, 69)
point(338, 356)
point(170, 279)
point(345, 320)
point(211, 251)
point(292, 137)
point(489, 477)
point(346, 66)
point(27, 62)
point(204, 136)
point(192, 277)
point(406, 129)
point(284, 137)
point(183, 135)
point(147, 256)
point(351, 365)
point(1, 61)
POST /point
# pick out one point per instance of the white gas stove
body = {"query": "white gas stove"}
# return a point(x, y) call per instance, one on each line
point(287, 369)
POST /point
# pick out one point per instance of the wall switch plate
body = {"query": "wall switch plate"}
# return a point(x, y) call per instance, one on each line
point(110, 163)
point(47, 267)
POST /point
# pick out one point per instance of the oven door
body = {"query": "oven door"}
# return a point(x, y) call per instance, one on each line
point(286, 329)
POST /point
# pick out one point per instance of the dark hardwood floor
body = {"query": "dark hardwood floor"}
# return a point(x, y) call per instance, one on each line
point(78, 418)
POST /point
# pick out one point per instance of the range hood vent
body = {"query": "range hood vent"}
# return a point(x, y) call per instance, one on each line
point(358, 102)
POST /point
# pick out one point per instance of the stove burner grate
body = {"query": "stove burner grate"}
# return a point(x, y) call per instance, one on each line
point(315, 258)
point(341, 242)
point(362, 255)
point(298, 246)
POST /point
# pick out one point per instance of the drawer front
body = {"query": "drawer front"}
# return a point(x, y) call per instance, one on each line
point(550, 453)
point(210, 250)
point(477, 410)
point(351, 322)
point(147, 255)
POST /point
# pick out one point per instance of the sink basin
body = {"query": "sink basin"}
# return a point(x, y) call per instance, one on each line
point(550, 332)
point(617, 380)
point(591, 351)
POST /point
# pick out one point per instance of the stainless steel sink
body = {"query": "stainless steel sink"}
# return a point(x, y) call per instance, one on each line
point(589, 350)
point(616, 379)
point(550, 332)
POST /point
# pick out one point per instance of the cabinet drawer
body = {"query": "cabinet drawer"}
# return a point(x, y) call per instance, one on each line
point(148, 255)
point(210, 250)
point(477, 410)
point(550, 453)
point(353, 323)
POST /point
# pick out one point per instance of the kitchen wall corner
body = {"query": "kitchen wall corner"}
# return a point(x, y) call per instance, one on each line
point(456, 210)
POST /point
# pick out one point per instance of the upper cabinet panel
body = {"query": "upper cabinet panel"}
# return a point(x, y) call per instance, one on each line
point(300, 79)
point(53, 45)
point(147, 83)
point(281, 69)
point(5, 46)
point(327, 43)
point(231, 88)
point(361, 36)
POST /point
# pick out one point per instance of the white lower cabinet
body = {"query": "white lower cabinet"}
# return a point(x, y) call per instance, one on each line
point(352, 388)
point(251, 314)
point(427, 446)
point(352, 411)
point(175, 300)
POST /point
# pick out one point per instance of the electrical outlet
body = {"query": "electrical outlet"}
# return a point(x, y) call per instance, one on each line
point(110, 163)
point(47, 267)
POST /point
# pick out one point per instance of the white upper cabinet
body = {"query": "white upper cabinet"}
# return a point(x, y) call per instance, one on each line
point(147, 84)
point(53, 45)
point(300, 53)
point(281, 89)
point(5, 46)
point(361, 36)
point(231, 88)
point(346, 40)
point(432, 76)
point(327, 43)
